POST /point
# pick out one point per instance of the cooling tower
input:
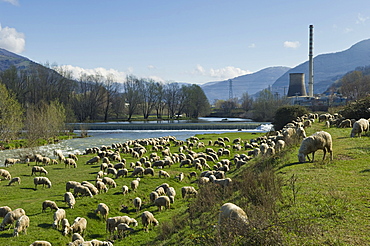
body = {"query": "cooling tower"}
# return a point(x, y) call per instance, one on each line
point(296, 85)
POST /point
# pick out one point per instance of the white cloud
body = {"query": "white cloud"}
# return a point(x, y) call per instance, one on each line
point(200, 70)
point(361, 19)
point(12, 40)
point(220, 73)
point(292, 44)
point(78, 71)
point(157, 79)
point(252, 46)
point(150, 67)
point(347, 30)
point(14, 2)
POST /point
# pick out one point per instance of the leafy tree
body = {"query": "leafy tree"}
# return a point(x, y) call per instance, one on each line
point(265, 106)
point(355, 85)
point(357, 109)
point(11, 115)
point(196, 101)
point(286, 114)
point(246, 102)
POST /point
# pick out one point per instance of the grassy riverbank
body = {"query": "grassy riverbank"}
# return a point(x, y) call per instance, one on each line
point(288, 203)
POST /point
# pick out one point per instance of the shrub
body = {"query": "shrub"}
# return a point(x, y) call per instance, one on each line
point(357, 109)
point(286, 114)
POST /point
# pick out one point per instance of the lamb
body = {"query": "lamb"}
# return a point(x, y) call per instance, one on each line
point(42, 180)
point(4, 210)
point(101, 186)
point(122, 228)
point(93, 160)
point(15, 180)
point(162, 201)
point(79, 225)
point(359, 127)
point(83, 190)
point(66, 227)
point(5, 174)
point(171, 193)
point(124, 189)
point(69, 199)
point(21, 225)
point(319, 140)
point(147, 219)
point(71, 185)
point(231, 214)
point(59, 215)
point(40, 243)
point(11, 217)
point(49, 204)
point(135, 184)
point(163, 173)
point(109, 182)
point(180, 177)
point(188, 190)
point(39, 169)
point(113, 222)
point(102, 209)
point(10, 161)
point(137, 203)
point(70, 162)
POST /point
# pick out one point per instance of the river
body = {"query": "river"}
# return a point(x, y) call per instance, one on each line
point(107, 137)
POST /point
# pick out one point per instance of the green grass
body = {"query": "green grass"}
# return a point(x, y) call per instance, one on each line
point(288, 203)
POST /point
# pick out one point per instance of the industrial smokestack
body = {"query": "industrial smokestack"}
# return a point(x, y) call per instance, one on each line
point(310, 62)
point(296, 85)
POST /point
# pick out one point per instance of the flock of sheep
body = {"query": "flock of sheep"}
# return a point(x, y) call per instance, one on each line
point(212, 166)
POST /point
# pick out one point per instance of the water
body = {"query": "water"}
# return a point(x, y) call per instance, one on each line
point(107, 138)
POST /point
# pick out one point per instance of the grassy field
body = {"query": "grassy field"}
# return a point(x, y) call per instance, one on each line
point(288, 203)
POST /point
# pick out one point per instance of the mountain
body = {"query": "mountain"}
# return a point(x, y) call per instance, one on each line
point(328, 67)
point(251, 83)
point(8, 59)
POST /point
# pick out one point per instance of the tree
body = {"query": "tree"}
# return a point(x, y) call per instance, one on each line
point(286, 114)
point(196, 102)
point(148, 93)
point(132, 94)
point(265, 106)
point(355, 85)
point(246, 102)
point(11, 115)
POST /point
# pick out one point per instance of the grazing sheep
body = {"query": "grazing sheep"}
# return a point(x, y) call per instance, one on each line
point(77, 240)
point(232, 215)
point(180, 177)
point(347, 123)
point(49, 204)
point(171, 193)
point(5, 174)
point(122, 173)
point(15, 180)
point(42, 180)
point(70, 162)
point(82, 190)
point(280, 145)
point(11, 217)
point(40, 243)
point(100, 174)
point(69, 199)
point(188, 190)
point(59, 154)
point(124, 189)
point(39, 169)
point(59, 215)
point(103, 167)
point(123, 228)
point(163, 173)
point(4, 210)
point(79, 225)
point(10, 161)
point(137, 203)
point(66, 227)
point(135, 184)
point(162, 201)
point(21, 225)
point(46, 161)
point(94, 191)
point(152, 196)
point(71, 185)
point(101, 186)
point(319, 140)
point(359, 127)
point(93, 160)
point(109, 182)
point(102, 209)
point(73, 156)
point(138, 171)
point(113, 222)
point(148, 171)
point(112, 170)
point(147, 219)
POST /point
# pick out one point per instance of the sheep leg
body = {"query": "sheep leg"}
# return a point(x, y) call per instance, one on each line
point(323, 158)
point(313, 156)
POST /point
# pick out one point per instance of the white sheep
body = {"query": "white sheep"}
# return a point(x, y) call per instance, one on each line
point(66, 227)
point(96, 242)
point(109, 182)
point(171, 193)
point(11, 217)
point(101, 186)
point(113, 222)
point(4, 210)
point(123, 228)
point(122, 173)
point(94, 191)
point(40, 243)
point(180, 177)
point(77, 240)
point(359, 127)
point(188, 190)
point(135, 184)
point(5, 174)
point(163, 173)
point(42, 180)
point(39, 169)
point(59, 154)
point(79, 225)
point(49, 204)
point(10, 161)
point(93, 160)
point(232, 215)
point(112, 170)
point(319, 140)
point(280, 145)
point(71, 185)
point(69, 199)
point(138, 171)
point(68, 162)
point(103, 210)
point(162, 201)
point(153, 195)
point(21, 225)
point(124, 189)
point(137, 203)
point(147, 219)
point(82, 190)
point(15, 180)
point(59, 215)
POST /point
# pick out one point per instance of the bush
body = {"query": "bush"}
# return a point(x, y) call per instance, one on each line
point(357, 109)
point(286, 114)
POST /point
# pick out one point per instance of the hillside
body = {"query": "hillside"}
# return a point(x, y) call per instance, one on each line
point(8, 59)
point(251, 83)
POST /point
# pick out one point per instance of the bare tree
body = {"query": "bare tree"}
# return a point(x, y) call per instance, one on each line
point(132, 94)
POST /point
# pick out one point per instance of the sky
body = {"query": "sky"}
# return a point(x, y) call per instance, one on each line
point(193, 41)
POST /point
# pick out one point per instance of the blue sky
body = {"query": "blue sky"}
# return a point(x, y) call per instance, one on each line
point(194, 41)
